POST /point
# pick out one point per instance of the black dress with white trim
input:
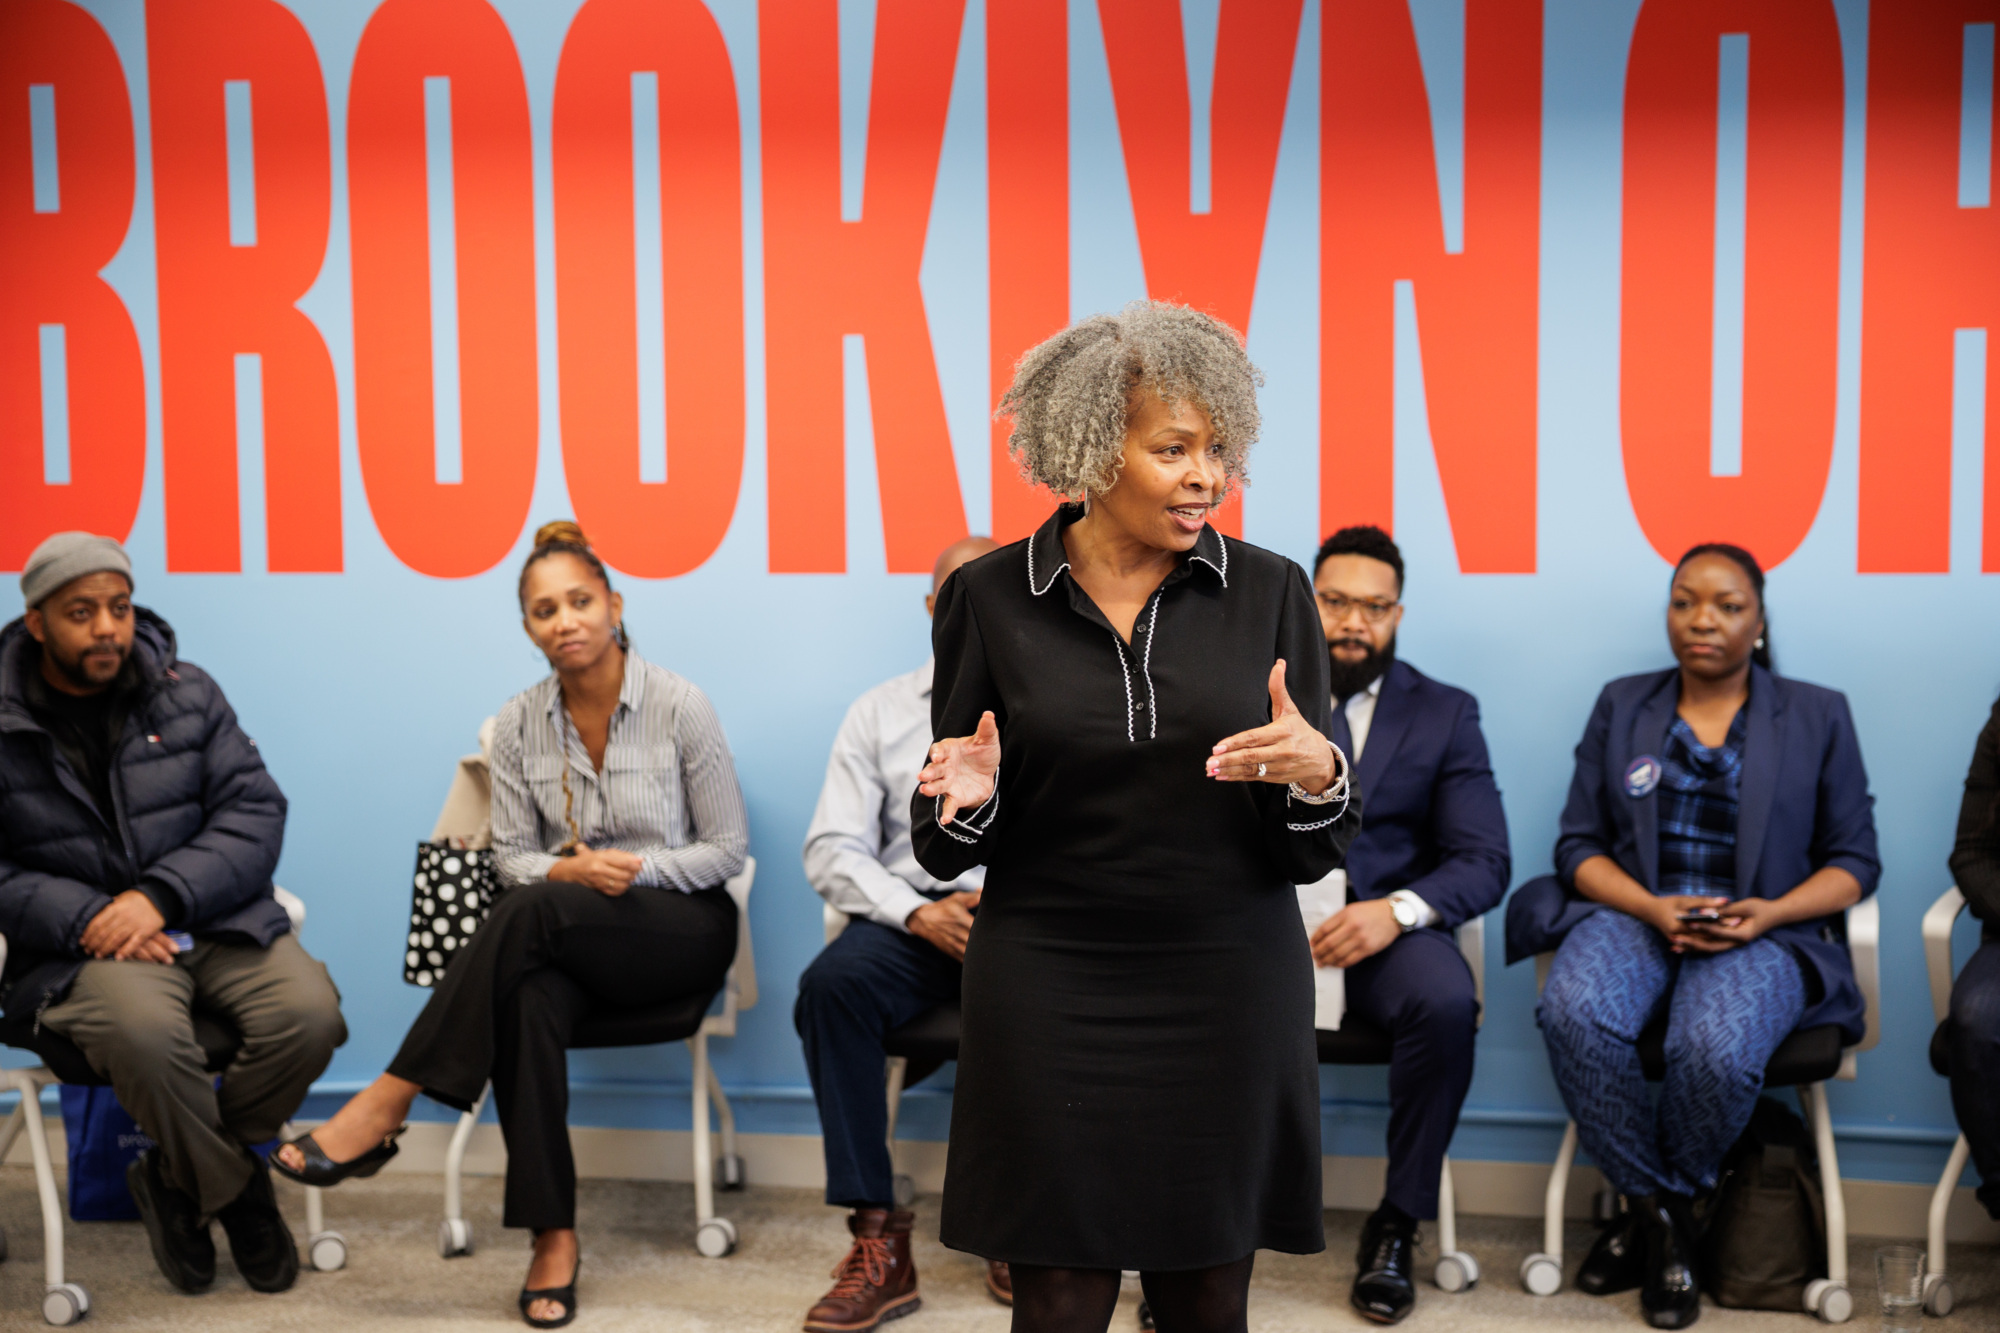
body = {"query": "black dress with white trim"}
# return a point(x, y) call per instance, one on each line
point(1138, 1084)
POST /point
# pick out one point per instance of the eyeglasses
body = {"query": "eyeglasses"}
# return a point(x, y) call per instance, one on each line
point(1373, 612)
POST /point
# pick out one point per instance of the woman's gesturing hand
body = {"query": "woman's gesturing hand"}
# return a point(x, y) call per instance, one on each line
point(609, 871)
point(1284, 751)
point(962, 770)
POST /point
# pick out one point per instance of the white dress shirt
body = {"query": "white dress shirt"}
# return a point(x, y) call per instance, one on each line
point(1360, 712)
point(858, 855)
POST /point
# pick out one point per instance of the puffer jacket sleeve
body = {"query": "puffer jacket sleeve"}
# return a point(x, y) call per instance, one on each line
point(44, 913)
point(231, 860)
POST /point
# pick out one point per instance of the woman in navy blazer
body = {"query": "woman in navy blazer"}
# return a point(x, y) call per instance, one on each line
point(1718, 824)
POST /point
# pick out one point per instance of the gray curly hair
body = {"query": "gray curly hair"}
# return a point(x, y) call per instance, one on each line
point(1071, 393)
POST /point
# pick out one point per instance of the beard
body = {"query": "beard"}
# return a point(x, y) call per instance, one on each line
point(1350, 678)
point(90, 671)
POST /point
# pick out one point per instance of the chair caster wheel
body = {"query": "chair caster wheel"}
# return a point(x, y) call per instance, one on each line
point(1831, 1301)
point(1938, 1298)
point(729, 1173)
point(904, 1189)
point(65, 1304)
point(327, 1250)
point(1542, 1274)
point(1456, 1271)
point(715, 1237)
point(454, 1238)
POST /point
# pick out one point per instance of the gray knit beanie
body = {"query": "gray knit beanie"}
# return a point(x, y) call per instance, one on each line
point(68, 556)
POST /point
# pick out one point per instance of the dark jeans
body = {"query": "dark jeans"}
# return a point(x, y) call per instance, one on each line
point(549, 955)
point(863, 986)
point(1974, 1037)
point(1419, 990)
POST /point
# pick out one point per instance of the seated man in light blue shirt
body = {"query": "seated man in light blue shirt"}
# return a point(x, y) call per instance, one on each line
point(900, 956)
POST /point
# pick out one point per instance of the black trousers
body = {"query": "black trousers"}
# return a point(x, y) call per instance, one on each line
point(1974, 1036)
point(550, 954)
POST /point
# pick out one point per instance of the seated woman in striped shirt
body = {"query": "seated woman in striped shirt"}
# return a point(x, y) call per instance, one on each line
point(616, 819)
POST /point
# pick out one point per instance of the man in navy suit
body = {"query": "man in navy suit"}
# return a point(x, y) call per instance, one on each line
point(1432, 854)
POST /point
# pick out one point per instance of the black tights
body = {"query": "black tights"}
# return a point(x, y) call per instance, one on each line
point(1080, 1300)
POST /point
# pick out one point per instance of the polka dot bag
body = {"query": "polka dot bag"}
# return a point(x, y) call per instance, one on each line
point(450, 895)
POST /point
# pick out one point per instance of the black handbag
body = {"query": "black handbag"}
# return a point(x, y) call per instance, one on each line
point(450, 894)
point(1765, 1236)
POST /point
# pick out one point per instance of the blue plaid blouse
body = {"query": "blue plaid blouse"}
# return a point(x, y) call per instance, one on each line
point(1698, 797)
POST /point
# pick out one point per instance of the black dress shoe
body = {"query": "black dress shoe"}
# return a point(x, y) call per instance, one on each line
point(259, 1240)
point(1671, 1293)
point(175, 1227)
point(1617, 1261)
point(1383, 1290)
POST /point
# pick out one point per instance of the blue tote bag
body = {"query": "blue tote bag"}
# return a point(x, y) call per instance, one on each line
point(103, 1140)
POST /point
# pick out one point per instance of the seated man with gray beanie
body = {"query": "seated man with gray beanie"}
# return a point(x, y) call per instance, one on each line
point(138, 833)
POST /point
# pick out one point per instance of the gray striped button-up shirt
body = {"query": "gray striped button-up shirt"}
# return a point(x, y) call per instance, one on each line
point(668, 792)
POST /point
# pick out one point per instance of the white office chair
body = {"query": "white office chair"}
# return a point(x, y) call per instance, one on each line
point(63, 1301)
point(1805, 1060)
point(1938, 921)
point(714, 1236)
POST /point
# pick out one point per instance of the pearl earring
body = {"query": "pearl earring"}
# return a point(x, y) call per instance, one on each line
point(1760, 641)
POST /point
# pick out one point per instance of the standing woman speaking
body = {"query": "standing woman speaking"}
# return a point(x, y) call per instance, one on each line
point(1134, 713)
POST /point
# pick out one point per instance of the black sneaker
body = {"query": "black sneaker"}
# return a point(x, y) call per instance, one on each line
point(1383, 1289)
point(1617, 1260)
point(259, 1241)
point(182, 1246)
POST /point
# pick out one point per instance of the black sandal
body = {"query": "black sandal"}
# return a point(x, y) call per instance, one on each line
point(324, 1172)
point(566, 1296)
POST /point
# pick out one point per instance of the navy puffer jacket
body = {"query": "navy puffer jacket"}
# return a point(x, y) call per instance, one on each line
point(197, 817)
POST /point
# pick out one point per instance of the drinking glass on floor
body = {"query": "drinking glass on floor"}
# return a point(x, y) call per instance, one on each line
point(1899, 1279)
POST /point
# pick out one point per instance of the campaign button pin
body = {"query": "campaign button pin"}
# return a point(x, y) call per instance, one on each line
point(1641, 776)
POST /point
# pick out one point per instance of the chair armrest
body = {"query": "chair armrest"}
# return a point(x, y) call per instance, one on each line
point(1864, 946)
point(1938, 921)
point(834, 920)
point(294, 908)
point(1471, 938)
point(742, 983)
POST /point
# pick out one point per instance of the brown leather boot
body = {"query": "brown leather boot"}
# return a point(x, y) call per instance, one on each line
point(999, 1281)
point(877, 1281)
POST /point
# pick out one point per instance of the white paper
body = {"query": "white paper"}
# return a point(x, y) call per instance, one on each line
point(1317, 902)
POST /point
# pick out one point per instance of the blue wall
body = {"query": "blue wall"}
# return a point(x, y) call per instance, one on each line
point(363, 688)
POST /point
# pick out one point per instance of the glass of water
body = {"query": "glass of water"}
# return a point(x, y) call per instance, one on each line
point(1899, 1278)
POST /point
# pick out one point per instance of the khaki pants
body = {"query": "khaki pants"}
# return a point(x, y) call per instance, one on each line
point(134, 1022)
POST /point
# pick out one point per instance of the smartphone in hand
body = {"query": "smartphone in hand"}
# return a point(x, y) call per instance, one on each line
point(1704, 916)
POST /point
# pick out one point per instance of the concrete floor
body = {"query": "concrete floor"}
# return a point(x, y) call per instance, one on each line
point(641, 1271)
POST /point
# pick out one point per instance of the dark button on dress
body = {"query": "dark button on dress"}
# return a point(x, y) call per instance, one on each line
point(1137, 1083)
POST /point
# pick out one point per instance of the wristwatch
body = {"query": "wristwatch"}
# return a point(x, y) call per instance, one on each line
point(1404, 908)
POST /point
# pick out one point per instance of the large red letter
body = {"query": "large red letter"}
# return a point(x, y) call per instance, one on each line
point(1027, 206)
point(1206, 260)
point(1791, 272)
point(52, 243)
point(444, 528)
point(1380, 223)
point(225, 292)
point(1932, 266)
point(825, 278)
point(664, 528)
